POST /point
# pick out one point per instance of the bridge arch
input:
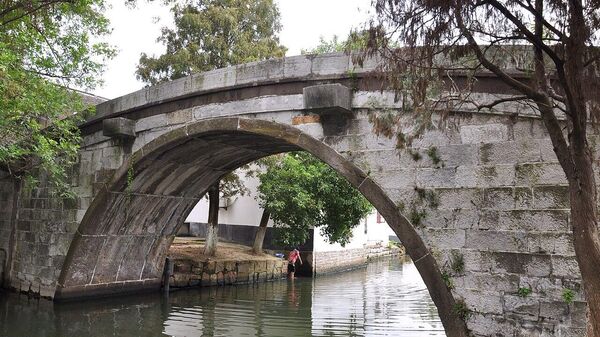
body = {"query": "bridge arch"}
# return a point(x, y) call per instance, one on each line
point(133, 219)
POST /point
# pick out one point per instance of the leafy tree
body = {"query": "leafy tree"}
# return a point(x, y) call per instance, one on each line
point(45, 47)
point(552, 46)
point(301, 192)
point(356, 41)
point(211, 34)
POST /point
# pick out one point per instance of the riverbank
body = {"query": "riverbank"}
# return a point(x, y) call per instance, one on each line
point(232, 264)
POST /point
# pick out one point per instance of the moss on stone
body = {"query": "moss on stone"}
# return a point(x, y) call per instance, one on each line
point(489, 172)
point(485, 153)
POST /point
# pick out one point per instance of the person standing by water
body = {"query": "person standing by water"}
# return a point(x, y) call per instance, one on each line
point(292, 257)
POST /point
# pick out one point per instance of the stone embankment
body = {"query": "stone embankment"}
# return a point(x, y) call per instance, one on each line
point(189, 273)
point(337, 261)
point(233, 264)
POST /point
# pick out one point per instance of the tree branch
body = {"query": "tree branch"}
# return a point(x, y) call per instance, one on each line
point(31, 11)
point(514, 83)
point(500, 101)
point(540, 16)
point(535, 40)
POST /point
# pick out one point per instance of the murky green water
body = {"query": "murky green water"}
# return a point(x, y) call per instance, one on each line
point(386, 298)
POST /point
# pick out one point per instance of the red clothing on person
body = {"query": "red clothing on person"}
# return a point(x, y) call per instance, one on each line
point(294, 255)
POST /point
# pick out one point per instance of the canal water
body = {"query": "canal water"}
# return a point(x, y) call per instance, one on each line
point(386, 298)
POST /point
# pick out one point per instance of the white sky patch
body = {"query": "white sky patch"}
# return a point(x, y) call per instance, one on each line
point(135, 31)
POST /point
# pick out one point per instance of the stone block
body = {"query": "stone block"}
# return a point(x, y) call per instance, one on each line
point(477, 261)
point(483, 324)
point(525, 220)
point(436, 178)
point(330, 64)
point(445, 238)
point(328, 99)
point(489, 302)
point(521, 263)
point(151, 123)
point(527, 307)
point(245, 267)
point(118, 127)
point(554, 310)
point(451, 219)
point(492, 282)
point(500, 241)
point(578, 312)
point(458, 155)
point(297, 66)
point(242, 277)
point(501, 198)
point(219, 78)
point(459, 198)
point(487, 133)
point(539, 174)
point(553, 197)
point(509, 152)
point(254, 72)
point(179, 116)
point(565, 266)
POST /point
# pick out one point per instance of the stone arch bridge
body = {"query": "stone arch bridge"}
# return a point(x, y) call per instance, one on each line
point(483, 213)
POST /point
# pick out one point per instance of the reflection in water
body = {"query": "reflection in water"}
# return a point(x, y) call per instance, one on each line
point(386, 298)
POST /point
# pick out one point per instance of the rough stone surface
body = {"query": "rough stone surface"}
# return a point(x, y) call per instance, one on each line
point(336, 261)
point(497, 201)
point(188, 273)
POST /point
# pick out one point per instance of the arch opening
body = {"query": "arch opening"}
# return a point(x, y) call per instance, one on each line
point(132, 221)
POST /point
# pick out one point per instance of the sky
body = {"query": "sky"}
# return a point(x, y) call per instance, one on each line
point(135, 31)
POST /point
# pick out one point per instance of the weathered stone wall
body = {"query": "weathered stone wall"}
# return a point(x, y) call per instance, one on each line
point(336, 261)
point(500, 204)
point(44, 227)
point(7, 208)
point(188, 273)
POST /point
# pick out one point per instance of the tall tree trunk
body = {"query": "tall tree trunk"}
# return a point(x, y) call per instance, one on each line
point(212, 230)
point(582, 192)
point(260, 233)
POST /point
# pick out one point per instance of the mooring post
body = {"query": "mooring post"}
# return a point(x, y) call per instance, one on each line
point(167, 275)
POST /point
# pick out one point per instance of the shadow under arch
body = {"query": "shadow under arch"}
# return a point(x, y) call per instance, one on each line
point(121, 243)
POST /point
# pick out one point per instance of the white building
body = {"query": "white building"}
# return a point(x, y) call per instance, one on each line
point(238, 217)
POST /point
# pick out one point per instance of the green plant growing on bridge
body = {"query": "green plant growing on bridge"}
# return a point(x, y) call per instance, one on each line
point(302, 193)
point(457, 262)
point(416, 155)
point(433, 154)
point(45, 47)
point(416, 216)
point(129, 181)
point(461, 310)
point(524, 291)
point(550, 41)
point(448, 279)
point(568, 295)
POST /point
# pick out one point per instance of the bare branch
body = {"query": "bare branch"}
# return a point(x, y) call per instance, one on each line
point(516, 84)
point(500, 101)
point(540, 16)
